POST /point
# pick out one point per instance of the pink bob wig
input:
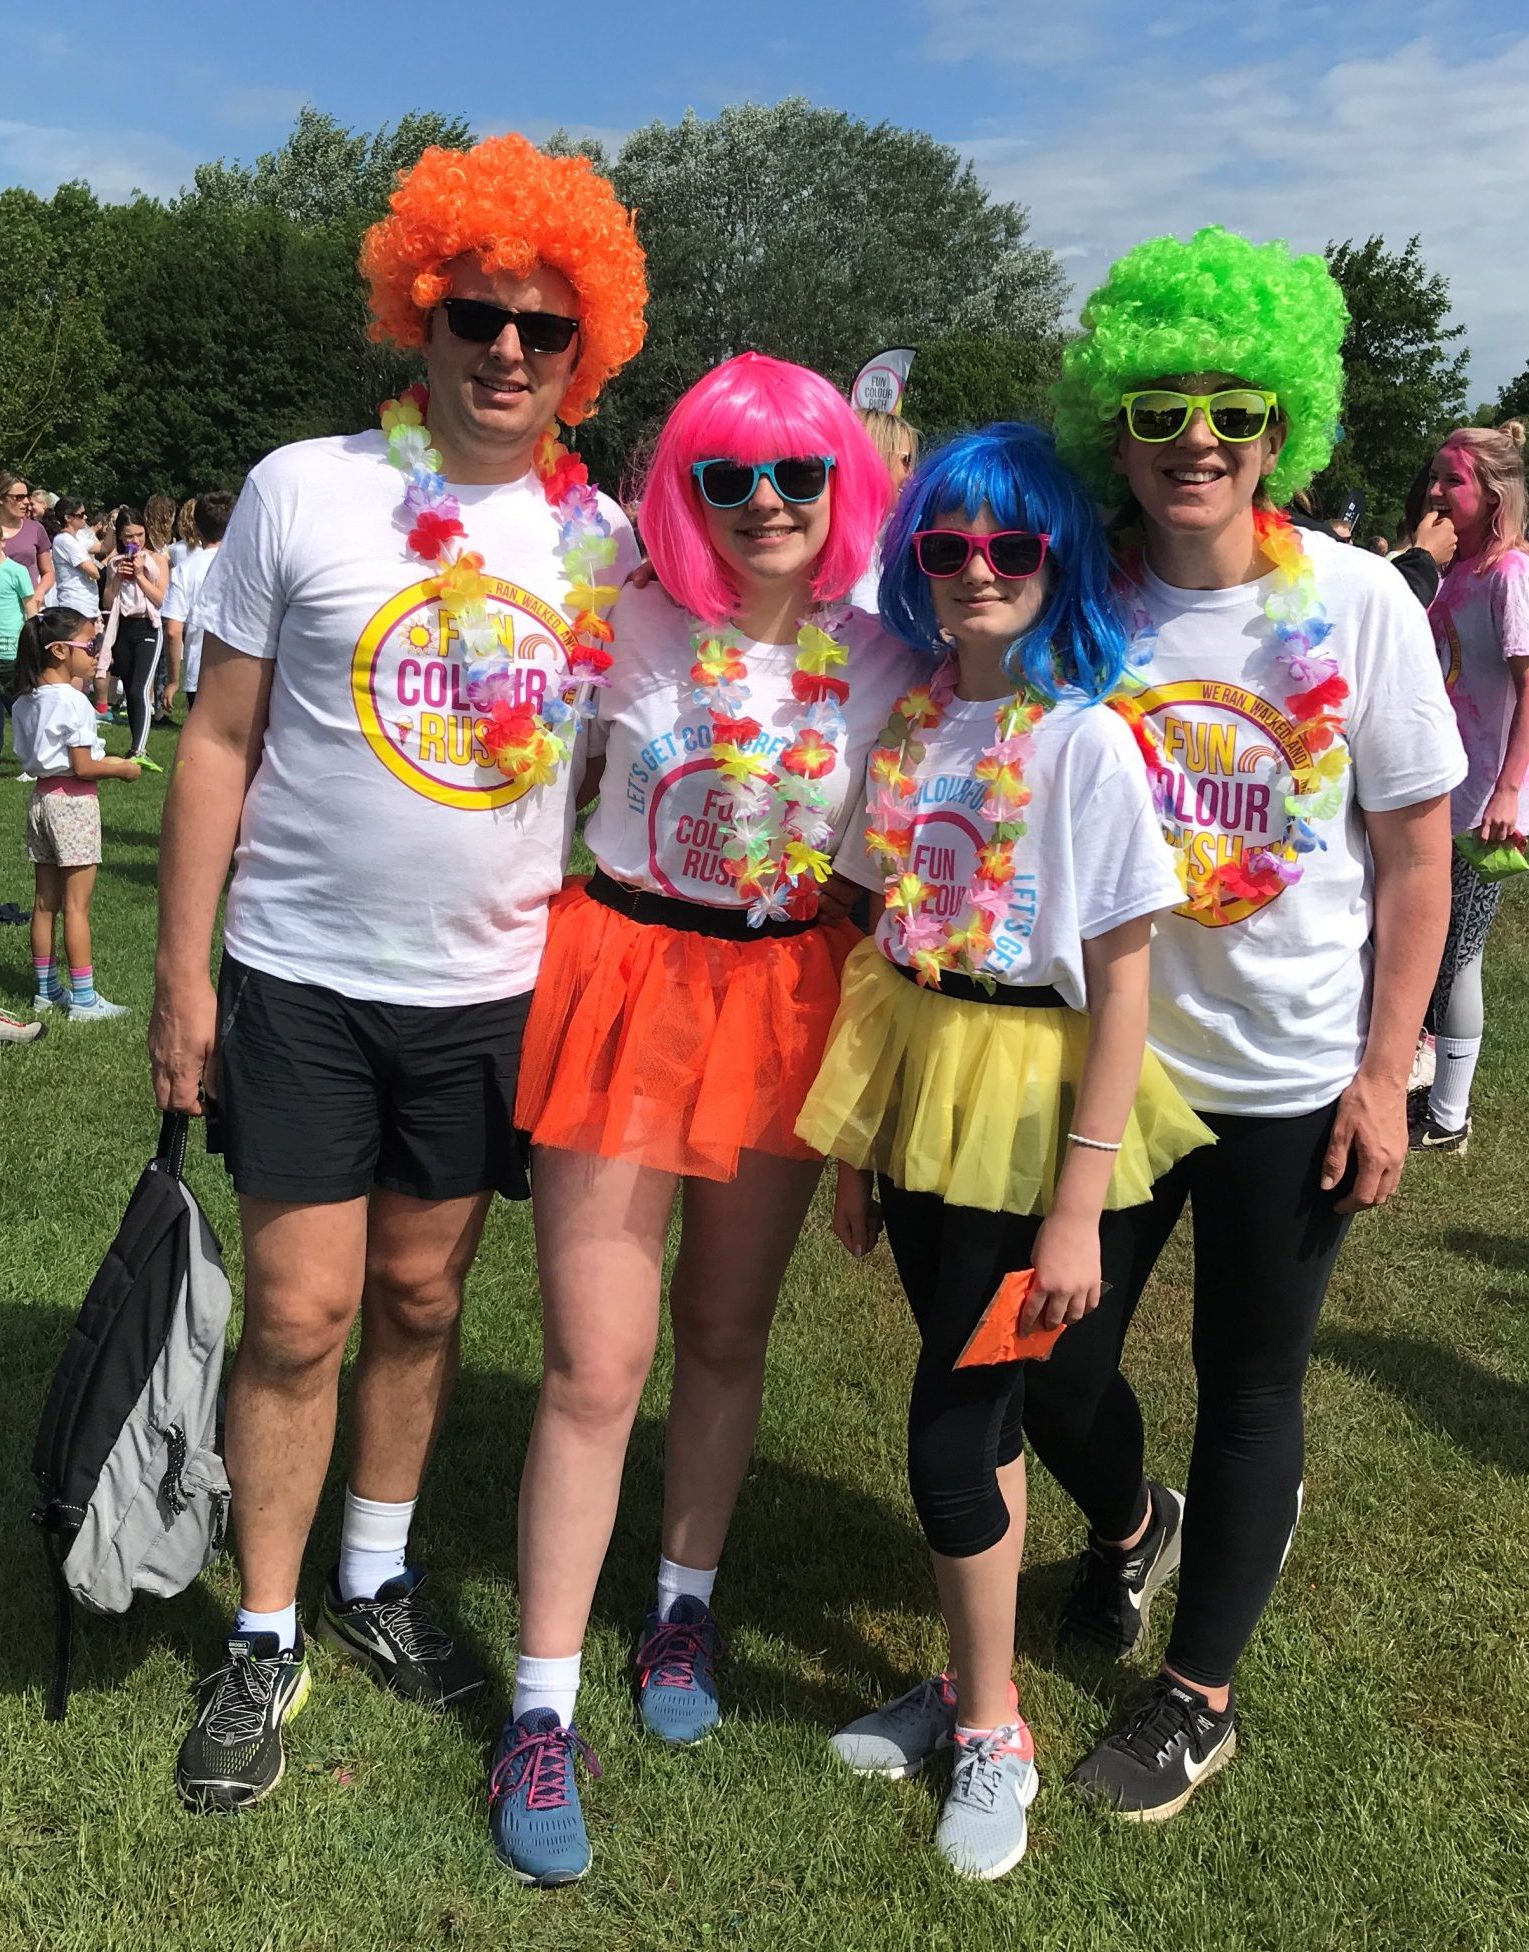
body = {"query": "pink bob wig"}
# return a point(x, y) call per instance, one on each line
point(753, 408)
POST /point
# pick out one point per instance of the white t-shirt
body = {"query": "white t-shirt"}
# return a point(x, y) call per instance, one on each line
point(659, 824)
point(1479, 622)
point(180, 606)
point(49, 723)
point(376, 855)
point(180, 552)
point(1264, 1007)
point(1091, 857)
point(73, 589)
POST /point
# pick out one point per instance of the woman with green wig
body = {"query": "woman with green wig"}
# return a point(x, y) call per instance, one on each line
point(1302, 750)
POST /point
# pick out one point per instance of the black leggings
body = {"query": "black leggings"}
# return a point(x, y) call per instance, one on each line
point(1266, 1239)
point(134, 657)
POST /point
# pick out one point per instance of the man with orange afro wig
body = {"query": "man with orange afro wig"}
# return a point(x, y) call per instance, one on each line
point(402, 631)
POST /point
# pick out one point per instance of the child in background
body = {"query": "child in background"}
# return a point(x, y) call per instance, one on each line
point(57, 740)
point(987, 1060)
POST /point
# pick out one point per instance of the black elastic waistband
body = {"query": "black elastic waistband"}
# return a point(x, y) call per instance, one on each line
point(966, 989)
point(668, 911)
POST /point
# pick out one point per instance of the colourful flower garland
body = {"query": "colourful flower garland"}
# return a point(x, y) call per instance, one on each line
point(933, 945)
point(773, 839)
point(1314, 707)
point(525, 743)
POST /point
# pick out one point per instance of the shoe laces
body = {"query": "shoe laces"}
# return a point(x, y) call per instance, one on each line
point(1166, 1718)
point(935, 1694)
point(418, 1635)
point(671, 1653)
point(238, 1707)
point(541, 1764)
point(978, 1773)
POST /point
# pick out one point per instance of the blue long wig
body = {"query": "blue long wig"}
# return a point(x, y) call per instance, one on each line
point(1078, 643)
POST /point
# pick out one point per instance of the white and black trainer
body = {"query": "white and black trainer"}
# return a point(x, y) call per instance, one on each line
point(1105, 1613)
point(233, 1754)
point(1149, 1767)
point(398, 1643)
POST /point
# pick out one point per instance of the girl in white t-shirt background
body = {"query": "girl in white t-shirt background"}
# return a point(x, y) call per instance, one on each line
point(1303, 752)
point(987, 1057)
point(679, 1015)
point(58, 741)
point(1480, 624)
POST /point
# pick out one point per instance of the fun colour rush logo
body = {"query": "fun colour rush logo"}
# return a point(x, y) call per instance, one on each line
point(410, 686)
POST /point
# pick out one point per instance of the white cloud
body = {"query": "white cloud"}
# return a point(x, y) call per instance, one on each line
point(114, 162)
point(1414, 139)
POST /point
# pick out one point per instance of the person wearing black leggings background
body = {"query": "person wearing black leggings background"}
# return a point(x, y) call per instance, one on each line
point(131, 645)
point(1302, 751)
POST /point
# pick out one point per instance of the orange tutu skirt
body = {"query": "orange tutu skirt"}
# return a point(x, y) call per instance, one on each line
point(675, 1049)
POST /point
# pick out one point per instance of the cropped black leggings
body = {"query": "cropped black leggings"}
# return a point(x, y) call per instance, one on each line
point(1265, 1243)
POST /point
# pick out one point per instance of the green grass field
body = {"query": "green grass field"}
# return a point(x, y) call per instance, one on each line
point(1380, 1797)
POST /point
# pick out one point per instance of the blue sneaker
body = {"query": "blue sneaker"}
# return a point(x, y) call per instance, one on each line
point(534, 1815)
point(677, 1672)
point(983, 1825)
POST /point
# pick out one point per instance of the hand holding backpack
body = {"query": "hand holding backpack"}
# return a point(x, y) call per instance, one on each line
point(132, 1493)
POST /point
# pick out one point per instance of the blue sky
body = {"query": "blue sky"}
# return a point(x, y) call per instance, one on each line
point(1111, 121)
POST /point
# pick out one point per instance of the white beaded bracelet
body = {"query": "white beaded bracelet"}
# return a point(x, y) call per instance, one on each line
point(1094, 1145)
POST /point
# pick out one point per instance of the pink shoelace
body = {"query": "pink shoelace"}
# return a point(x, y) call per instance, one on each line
point(541, 1761)
point(668, 1656)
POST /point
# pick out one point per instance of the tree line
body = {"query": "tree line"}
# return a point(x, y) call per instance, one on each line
point(169, 345)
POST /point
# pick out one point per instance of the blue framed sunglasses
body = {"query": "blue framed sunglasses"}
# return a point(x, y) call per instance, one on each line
point(795, 478)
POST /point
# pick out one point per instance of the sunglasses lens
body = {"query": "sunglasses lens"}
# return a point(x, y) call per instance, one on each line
point(479, 323)
point(941, 554)
point(727, 484)
point(1015, 554)
point(1158, 416)
point(1238, 416)
point(802, 478)
point(545, 331)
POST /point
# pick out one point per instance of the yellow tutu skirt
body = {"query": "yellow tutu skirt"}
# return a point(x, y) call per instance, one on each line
point(973, 1101)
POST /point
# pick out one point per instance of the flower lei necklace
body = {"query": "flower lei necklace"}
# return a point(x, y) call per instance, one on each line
point(933, 945)
point(773, 838)
point(525, 743)
point(1314, 707)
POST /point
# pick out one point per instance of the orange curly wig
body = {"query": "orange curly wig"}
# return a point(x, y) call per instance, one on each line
point(510, 206)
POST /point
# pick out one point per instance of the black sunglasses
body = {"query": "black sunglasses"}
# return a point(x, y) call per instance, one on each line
point(480, 324)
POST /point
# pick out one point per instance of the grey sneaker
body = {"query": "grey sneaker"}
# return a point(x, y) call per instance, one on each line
point(898, 1739)
point(98, 1012)
point(983, 1827)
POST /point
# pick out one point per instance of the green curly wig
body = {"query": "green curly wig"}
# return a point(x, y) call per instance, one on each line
point(1217, 304)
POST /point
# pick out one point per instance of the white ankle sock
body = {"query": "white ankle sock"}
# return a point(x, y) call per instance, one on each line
point(374, 1543)
point(676, 1581)
point(1449, 1101)
point(546, 1684)
point(283, 1623)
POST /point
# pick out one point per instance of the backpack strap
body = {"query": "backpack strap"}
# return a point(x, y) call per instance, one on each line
point(63, 1628)
point(173, 1132)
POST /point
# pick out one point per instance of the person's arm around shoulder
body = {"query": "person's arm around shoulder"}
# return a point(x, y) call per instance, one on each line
point(219, 752)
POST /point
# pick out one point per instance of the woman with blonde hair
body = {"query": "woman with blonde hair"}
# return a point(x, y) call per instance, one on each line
point(1480, 624)
point(897, 442)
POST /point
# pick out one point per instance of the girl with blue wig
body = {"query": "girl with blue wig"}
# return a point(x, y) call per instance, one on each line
point(987, 1062)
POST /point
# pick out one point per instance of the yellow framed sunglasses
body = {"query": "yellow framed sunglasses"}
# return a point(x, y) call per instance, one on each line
point(1236, 414)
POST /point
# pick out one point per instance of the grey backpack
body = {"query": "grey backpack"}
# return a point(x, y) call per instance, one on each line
point(132, 1493)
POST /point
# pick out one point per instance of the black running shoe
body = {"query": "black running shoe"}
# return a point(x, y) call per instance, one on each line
point(394, 1638)
point(232, 1755)
point(1105, 1613)
point(1151, 1765)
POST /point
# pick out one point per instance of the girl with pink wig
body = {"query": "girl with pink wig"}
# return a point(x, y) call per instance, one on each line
point(683, 1007)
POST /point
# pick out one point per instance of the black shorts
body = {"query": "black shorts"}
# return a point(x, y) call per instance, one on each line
point(320, 1098)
